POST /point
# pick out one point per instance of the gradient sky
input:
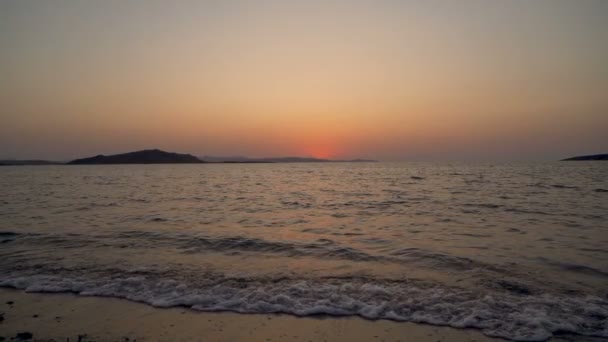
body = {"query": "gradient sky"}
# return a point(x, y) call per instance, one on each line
point(392, 80)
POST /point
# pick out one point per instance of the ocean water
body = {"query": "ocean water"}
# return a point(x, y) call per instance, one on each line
point(519, 251)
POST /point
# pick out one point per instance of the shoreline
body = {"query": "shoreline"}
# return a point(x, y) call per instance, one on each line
point(63, 317)
point(54, 317)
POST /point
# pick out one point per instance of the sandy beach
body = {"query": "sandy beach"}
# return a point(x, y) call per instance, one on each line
point(65, 317)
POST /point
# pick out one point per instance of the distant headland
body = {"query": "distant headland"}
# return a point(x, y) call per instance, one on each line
point(589, 157)
point(156, 156)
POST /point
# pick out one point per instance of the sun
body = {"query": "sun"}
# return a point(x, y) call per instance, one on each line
point(321, 151)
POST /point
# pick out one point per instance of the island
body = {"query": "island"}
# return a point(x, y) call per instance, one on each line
point(589, 157)
point(157, 156)
point(154, 156)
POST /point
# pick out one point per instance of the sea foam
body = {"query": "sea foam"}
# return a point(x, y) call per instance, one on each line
point(516, 317)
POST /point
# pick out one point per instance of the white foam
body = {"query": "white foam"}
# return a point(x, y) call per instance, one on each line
point(522, 318)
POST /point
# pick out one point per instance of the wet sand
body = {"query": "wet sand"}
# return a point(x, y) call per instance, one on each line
point(66, 317)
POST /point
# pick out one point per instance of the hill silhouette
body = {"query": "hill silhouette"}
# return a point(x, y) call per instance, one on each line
point(589, 157)
point(154, 156)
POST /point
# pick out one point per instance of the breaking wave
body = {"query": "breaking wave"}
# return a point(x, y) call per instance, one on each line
point(512, 316)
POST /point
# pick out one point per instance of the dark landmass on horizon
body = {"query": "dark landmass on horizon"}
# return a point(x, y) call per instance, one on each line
point(603, 156)
point(11, 162)
point(154, 156)
point(157, 156)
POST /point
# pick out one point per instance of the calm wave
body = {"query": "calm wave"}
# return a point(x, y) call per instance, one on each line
point(518, 251)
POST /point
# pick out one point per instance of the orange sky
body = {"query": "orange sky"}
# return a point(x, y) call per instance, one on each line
point(335, 79)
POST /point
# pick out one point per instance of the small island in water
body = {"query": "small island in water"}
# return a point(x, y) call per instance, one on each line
point(588, 157)
point(154, 156)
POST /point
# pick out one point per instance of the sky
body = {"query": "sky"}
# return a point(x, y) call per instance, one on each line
point(390, 80)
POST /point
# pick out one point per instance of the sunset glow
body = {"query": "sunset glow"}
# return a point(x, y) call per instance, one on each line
point(235, 170)
point(345, 79)
point(321, 151)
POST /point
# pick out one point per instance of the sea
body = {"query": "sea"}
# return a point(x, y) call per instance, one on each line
point(516, 250)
